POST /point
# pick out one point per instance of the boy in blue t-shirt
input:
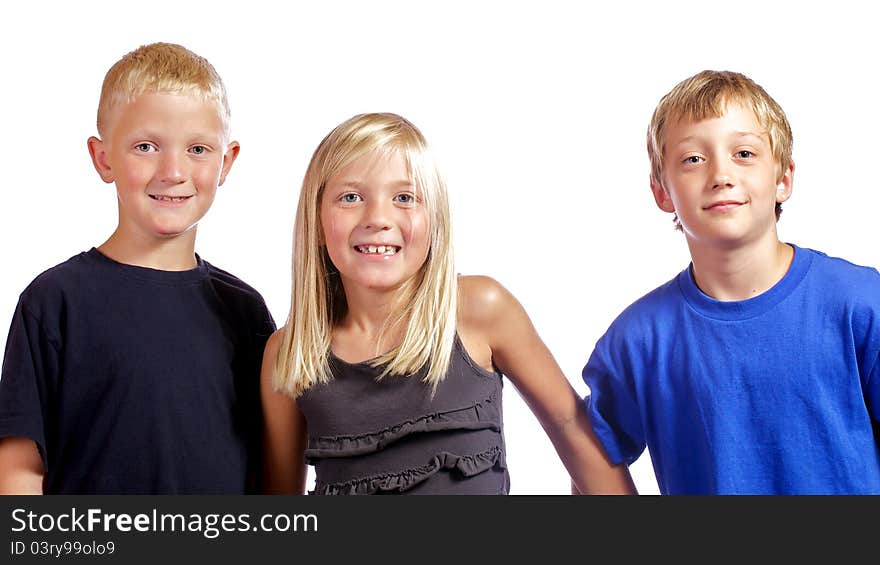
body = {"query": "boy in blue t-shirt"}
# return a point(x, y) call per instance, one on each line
point(133, 368)
point(755, 370)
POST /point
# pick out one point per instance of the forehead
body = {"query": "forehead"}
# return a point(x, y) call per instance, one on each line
point(378, 166)
point(185, 113)
point(736, 120)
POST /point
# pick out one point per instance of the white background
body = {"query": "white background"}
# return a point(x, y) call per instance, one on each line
point(537, 112)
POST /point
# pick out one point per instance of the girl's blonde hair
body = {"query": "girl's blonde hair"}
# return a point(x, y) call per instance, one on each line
point(426, 305)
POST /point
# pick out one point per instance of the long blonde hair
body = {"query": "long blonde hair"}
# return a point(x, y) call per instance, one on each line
point(426, 305)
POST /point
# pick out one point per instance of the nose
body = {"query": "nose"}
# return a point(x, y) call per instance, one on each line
point(377, 216)
point(722, 176)
point(172, 168)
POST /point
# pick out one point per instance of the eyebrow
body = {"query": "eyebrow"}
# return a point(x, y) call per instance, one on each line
point(749, 134)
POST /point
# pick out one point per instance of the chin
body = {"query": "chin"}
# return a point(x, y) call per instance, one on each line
point(718, 235)
point(384, 285)
point(380, 283)
point(170, 232)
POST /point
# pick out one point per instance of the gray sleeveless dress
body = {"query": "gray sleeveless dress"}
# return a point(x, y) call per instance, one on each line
point(369, 436)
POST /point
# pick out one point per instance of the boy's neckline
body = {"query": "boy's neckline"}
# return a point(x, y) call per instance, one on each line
point(733, 275)
point(147, 273)
point(172, 257)
point(750, 307)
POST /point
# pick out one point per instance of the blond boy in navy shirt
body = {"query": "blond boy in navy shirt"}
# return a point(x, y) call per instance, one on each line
point(133, 367)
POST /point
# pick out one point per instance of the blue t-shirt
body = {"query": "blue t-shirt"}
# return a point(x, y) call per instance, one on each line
point(777, 394)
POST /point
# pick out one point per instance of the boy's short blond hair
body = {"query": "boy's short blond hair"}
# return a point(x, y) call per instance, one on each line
point(161, 67)
point(706, 95)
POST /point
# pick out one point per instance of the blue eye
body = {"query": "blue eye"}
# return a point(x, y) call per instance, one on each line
point(144, 147)
point(692, 160)
point(350, 197)
point(405, 198)
point(198, 149)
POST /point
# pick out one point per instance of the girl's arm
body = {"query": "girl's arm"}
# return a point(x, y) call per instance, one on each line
point(489, 310)
point(284, 432)
point(22, 468)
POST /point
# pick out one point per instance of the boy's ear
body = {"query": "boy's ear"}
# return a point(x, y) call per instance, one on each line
point(786, 184)
point(98, 153)
point(661, 196)
point(229, 157)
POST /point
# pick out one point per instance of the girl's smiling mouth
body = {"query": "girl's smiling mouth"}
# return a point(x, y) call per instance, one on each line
point(370, 249)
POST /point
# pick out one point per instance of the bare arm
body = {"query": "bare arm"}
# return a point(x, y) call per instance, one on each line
point(518, 351)
point(284, 432)
point(21, 469)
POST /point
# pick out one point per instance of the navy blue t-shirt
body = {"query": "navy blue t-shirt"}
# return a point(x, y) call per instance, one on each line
point(777, 394)
point(135, 380)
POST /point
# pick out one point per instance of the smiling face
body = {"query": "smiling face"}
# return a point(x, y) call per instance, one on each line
point(375, 227)
point(167, 154)
point(722, 180)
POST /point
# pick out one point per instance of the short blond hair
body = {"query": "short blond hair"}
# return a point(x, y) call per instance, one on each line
point(161, 67)
point(706, 95)
point(426, 306)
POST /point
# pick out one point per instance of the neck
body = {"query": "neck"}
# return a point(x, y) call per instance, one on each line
point(740, 273)
point(172, 254)
point(371, 316)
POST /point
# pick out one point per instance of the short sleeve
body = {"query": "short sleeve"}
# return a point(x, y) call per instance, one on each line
point(872, 390)
point(263, 328)
point(612, 407)
point(865, 327)
point(30, 361)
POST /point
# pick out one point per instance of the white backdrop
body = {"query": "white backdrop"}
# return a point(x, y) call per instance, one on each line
point(537, 115)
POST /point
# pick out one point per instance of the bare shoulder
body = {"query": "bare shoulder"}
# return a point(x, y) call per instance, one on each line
point(273, 344)
point(483, 300)
point(487, 312)
point(270, 355)
point(480, 299)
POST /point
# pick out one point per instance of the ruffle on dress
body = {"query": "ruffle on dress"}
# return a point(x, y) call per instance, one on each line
point(466, 465)
point(484, 414)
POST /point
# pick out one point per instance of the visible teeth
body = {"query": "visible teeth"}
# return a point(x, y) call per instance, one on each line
point(170, 198)
point(377, 249)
